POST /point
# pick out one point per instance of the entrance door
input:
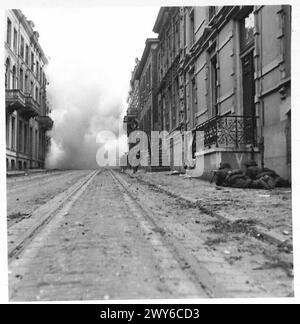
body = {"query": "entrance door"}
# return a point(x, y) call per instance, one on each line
point(248, 98)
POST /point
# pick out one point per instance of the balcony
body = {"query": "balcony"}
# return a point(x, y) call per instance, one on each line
point(131, 120)
point(14, 100)
point(32, 108)
point(132, 112)
point(45, 123)
point(235, 132)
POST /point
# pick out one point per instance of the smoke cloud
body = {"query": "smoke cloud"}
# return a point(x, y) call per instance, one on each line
point(82, 110)
point(91, 55)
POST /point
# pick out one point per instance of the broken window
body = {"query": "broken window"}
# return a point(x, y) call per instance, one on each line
point(247, 31)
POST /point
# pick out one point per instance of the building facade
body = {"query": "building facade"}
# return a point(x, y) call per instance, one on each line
point(226, 71)
point(143, 113)
point(146, 75)
point(26, 104)
point(240, 60)
point(133, 100)
point(169, 26)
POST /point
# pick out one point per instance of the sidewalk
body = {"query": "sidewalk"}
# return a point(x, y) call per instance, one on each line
point(270, 211)
point(18, 173)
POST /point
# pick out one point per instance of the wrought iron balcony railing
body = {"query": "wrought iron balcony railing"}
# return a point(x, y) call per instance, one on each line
point(229, 131)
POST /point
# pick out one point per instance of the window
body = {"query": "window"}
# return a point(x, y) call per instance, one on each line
point(27, 55)
point(192, 28)
point(8, 35)
point(21, 80)
point(7, 74)
point(7, 131)
point(214, 85)
point(13, 135)
point(31, 142)
point(25, 138)
point(37, 69)
point(14, 78)
point(26, 84)
point(36, 144)
point(194, 102)
point(22, 47)
point(288, 132)
point(31, 88)
point(32, 61)
point(20, 142)
point(36, 97)
point(15, 40)
point(177, 38)
point(247, 31)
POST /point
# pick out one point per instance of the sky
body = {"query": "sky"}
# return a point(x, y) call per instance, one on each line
point(91, 55)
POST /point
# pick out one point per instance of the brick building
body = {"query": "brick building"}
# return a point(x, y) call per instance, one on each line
point(26, 103)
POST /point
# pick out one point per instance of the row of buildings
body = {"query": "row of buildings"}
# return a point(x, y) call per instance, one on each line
point(26, 104)
point(224, 70)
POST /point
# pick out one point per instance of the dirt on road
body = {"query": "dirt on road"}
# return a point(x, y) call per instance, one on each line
point(26, 193)
point(105, 246)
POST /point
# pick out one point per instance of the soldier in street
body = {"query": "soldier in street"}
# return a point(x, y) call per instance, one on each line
point(251, 176)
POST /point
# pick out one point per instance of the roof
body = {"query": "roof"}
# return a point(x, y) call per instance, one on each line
point(159, 19)
point(28, 26)
point(149, 43)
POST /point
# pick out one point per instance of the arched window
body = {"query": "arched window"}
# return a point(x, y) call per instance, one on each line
point(14, 78)
point(7, 74)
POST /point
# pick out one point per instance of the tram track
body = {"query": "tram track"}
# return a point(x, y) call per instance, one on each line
point(107, 233)
point(43, 215)
point(197, 274)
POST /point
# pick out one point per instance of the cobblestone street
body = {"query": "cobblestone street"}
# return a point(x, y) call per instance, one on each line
point(115, 237)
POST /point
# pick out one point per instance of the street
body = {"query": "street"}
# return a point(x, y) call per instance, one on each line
point(99, 235)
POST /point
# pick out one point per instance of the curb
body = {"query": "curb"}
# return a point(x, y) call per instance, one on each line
point(258, 233)
point(23, 173)
point(18, 174)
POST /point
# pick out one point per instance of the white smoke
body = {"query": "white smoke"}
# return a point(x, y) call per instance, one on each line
point(81, 111)
point(92, 53)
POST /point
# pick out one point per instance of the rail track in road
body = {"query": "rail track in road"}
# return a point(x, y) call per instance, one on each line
point(21, 236)
point(207, 267)
point(110, 217)
point(197, 274)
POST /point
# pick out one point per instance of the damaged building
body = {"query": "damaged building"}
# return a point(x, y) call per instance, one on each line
point(26, 103)
point(226, 71)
